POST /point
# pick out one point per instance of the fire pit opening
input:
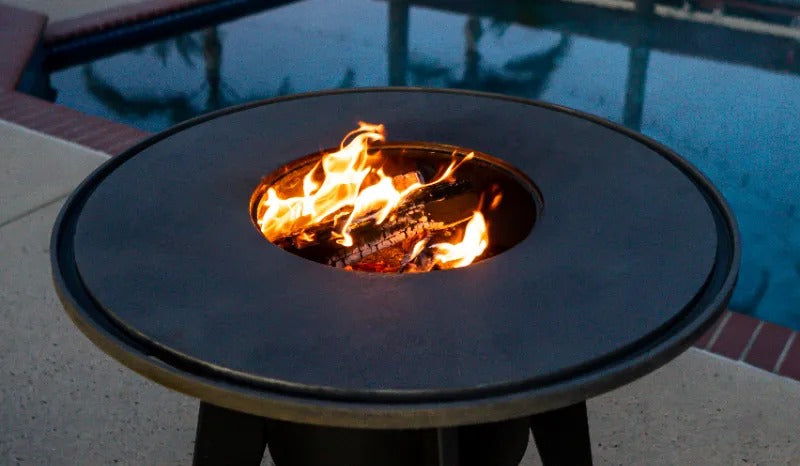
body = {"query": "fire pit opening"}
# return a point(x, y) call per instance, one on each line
point(373, 205)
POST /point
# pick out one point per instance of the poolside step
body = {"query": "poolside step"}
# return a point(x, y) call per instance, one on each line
point(20, 31)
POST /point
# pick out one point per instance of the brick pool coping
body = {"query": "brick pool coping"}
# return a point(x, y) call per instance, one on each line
point(758, 343)
point(19, 37)
point(71, 28)
point(21, 33)
point(735, 336)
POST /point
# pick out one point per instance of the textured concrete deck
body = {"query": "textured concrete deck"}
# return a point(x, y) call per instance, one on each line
point(63, 402)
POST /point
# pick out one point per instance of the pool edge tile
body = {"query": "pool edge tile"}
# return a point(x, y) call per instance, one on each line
point(71, 28)
point(709, 334)
point(67, 124)
point(790, 366)
point(734, 336)
point(768, 346)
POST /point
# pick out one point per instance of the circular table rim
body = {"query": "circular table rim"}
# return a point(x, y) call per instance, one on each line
point(241, 396)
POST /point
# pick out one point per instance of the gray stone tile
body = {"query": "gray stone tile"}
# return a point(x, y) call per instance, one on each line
point(699, 409)
point(62, 401)
point(36, 169)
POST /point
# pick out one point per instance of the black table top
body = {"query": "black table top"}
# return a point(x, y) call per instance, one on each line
point(633, 255)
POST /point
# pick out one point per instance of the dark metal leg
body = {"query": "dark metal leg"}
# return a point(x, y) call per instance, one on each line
point(562, 436)
point(292, 444)
point(496, 444)
point(225, 437)
point(447, 446)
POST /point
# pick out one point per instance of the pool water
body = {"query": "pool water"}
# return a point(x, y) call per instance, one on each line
point(729, 102)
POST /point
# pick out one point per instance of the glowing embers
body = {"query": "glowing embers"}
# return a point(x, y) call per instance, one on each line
point(388, 207)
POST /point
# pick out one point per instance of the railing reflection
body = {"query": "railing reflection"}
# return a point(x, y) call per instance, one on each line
point(525, 75)
point(667, 26)
point(397, 44)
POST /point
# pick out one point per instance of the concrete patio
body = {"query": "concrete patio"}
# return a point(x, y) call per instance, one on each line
point(63, 402)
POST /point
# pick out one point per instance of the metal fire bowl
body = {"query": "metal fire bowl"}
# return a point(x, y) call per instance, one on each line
point(156, 259)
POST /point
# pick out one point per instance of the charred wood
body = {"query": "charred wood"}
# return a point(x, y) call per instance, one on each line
point(407, 213)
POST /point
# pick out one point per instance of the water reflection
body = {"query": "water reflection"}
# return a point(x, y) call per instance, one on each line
point(176, 107)
point(719, 87)
point(525, 75)
point(638, 58)
point(397, 48)
point(190, 48)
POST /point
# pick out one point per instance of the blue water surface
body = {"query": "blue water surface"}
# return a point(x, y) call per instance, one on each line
point(733, 113)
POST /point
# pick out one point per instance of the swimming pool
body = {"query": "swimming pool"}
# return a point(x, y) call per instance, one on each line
point(727, 99)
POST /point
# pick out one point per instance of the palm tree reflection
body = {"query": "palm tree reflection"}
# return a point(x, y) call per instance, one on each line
point(205, 45)
point(526, 75)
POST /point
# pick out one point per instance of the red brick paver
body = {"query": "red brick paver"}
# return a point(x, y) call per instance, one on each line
point(768, 346)
point(703, 341)
point(735, 335)
point(66, 123)
point(791, 365)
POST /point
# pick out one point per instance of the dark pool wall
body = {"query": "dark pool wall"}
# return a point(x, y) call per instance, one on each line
point(731, 108)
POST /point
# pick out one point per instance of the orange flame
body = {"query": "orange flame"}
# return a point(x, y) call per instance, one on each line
point(342, 190)
point(344, 172)
point(475, 241)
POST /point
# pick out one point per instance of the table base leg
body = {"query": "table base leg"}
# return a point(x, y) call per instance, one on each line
point(496, 444)
point(562, 436)
point(226, 437)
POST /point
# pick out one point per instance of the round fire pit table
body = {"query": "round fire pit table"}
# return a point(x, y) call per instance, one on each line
point(632, 255)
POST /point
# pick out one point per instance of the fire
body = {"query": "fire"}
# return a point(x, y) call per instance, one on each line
point(349, 187)
point(475, 241)
point(343, 171)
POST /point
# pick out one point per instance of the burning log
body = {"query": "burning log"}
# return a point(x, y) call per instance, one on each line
point(387, 247)
point(408, 213)
point(387, 239)
point(413, 224)
point(352, 214)
point(402, 250)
